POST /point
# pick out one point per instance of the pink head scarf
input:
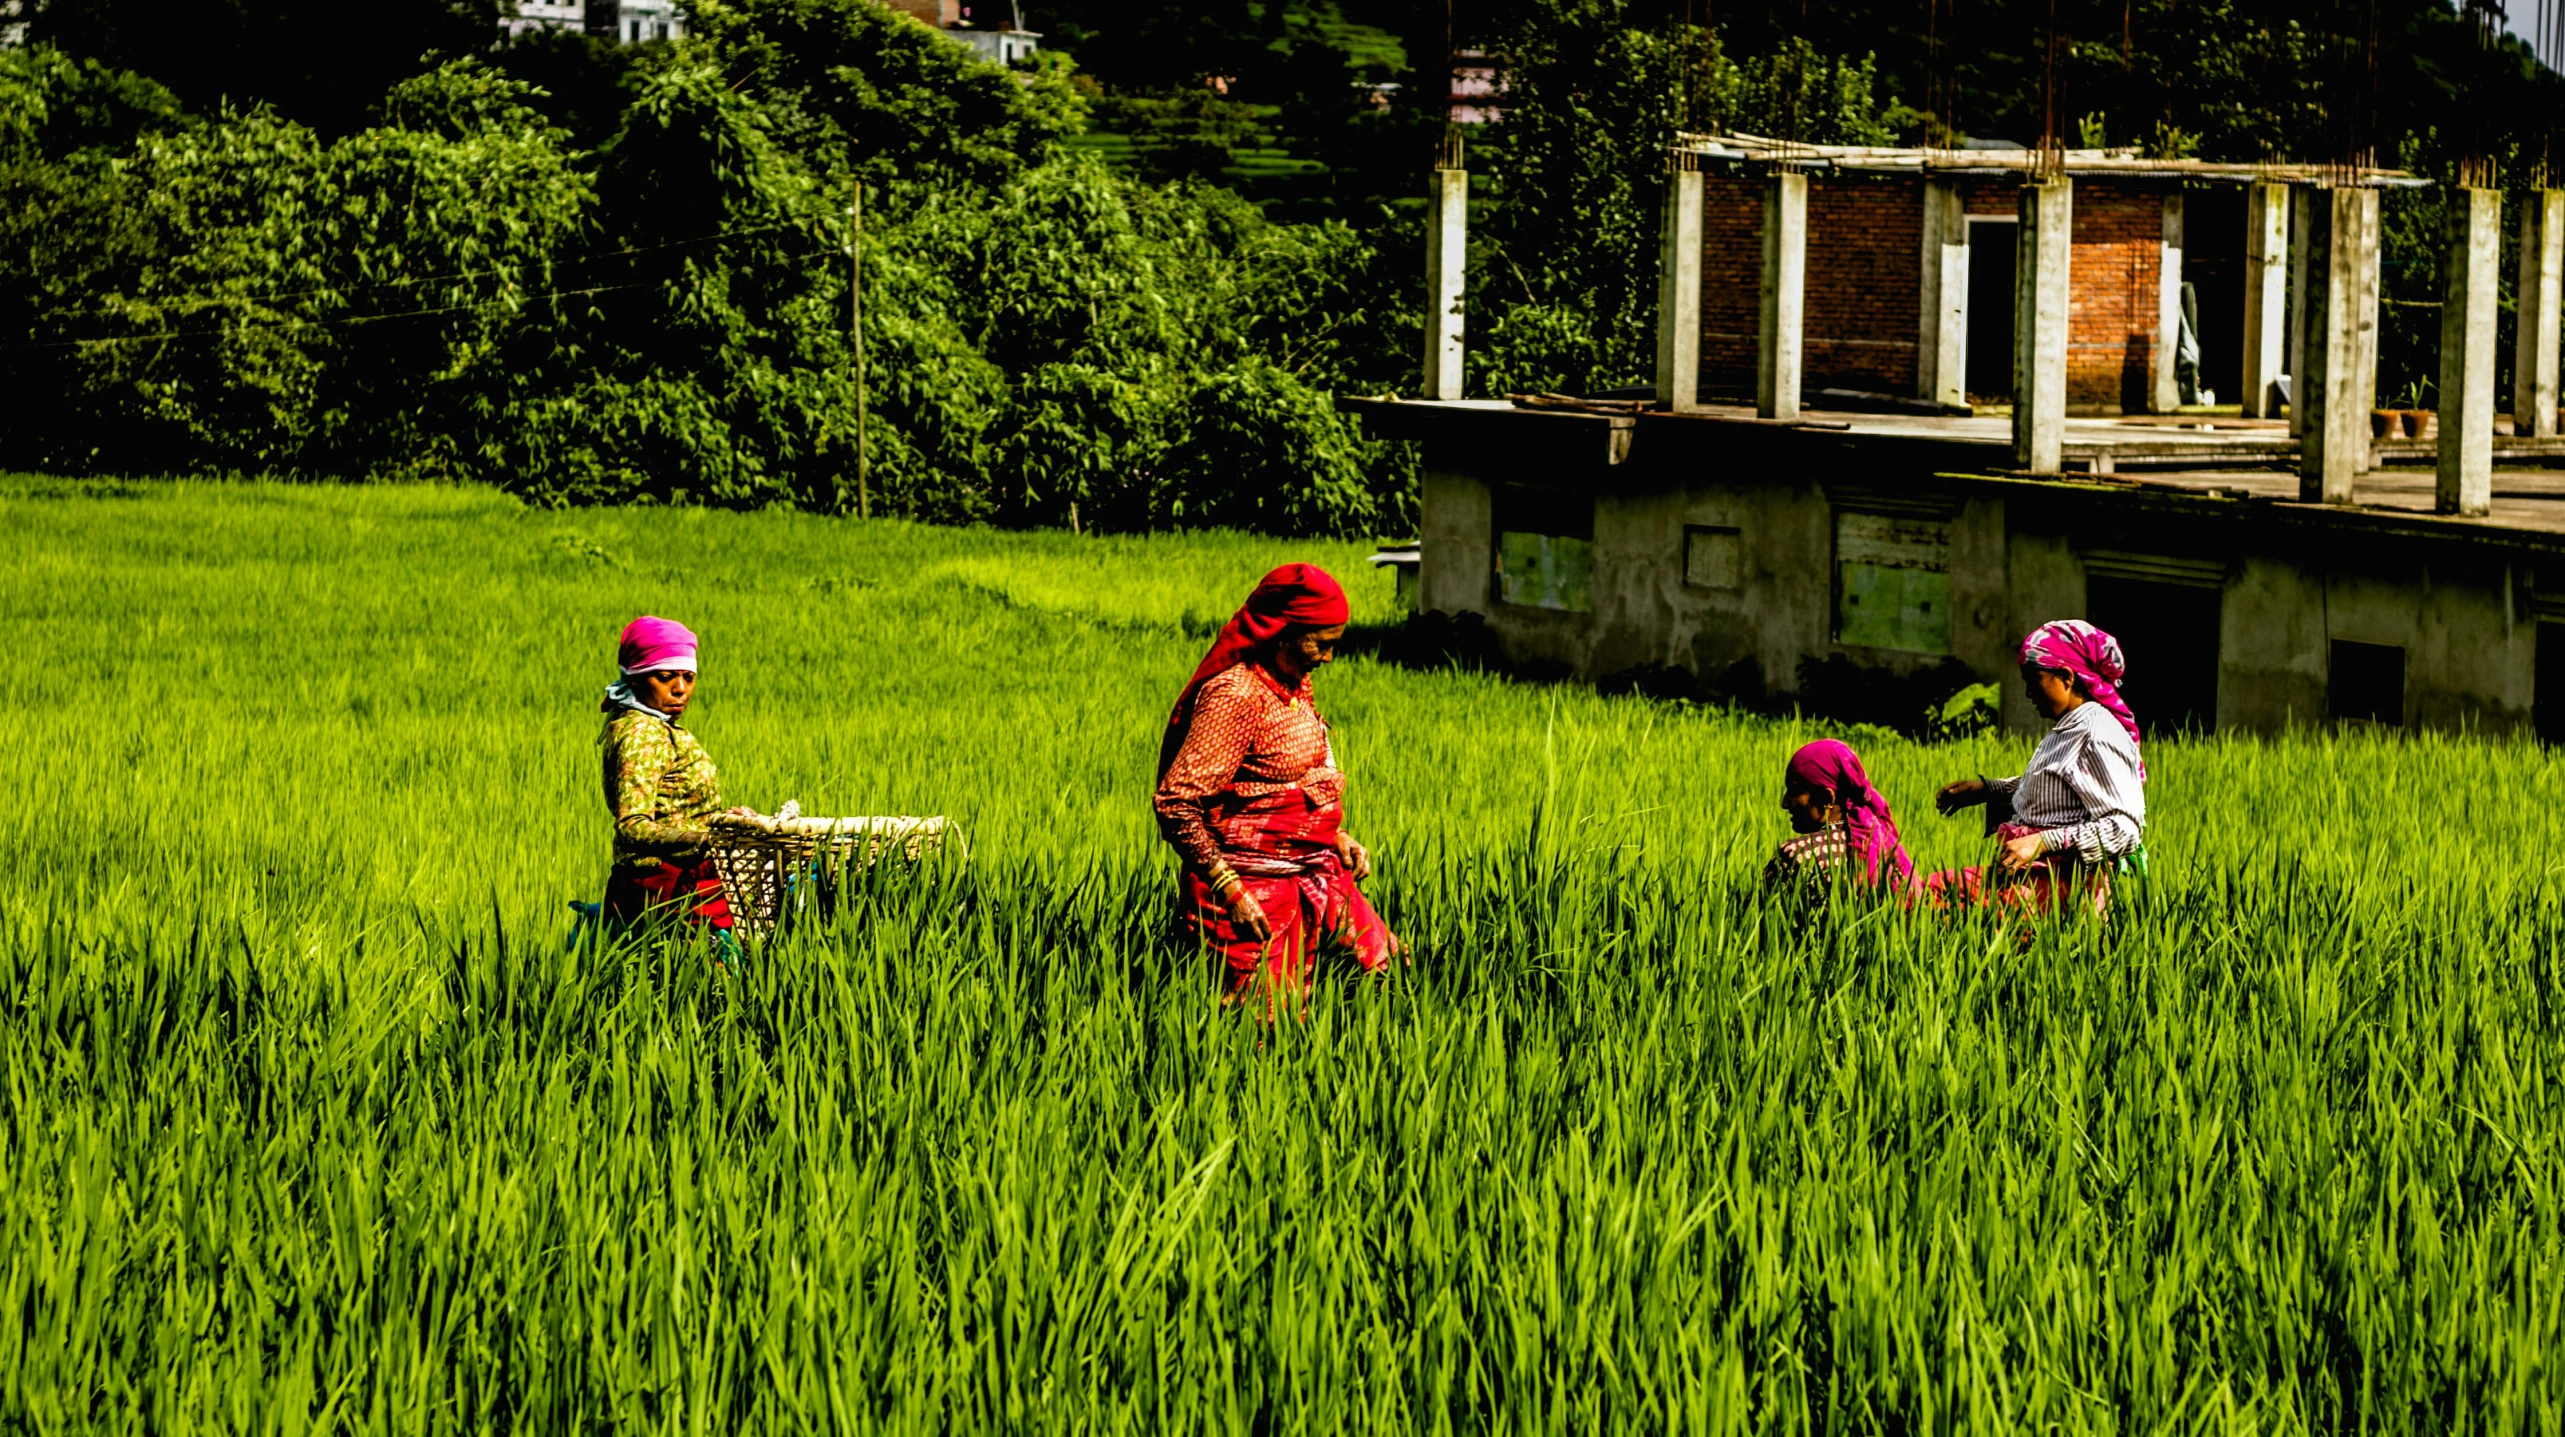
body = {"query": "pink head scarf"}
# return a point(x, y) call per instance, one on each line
point(651, 644)
point(1871, 830)
point(2093, 659)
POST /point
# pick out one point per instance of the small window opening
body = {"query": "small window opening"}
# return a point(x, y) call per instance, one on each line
point(1712, 557)
point(2169, 635)
point(2366, 682)
point(1544, 549)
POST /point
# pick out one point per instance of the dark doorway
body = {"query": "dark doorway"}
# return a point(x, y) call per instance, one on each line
point(1990, 307)
point(2213, 265)
point(2169, 635)
point(2547, 703)
point(2366, 682)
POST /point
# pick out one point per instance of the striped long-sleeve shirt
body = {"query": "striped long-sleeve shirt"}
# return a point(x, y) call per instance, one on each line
point(2083, 788)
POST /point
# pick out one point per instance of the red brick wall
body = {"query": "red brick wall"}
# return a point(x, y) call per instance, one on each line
point(2110, 327)
point(1731, 278)
point(1865, 238)
point(1863, 283)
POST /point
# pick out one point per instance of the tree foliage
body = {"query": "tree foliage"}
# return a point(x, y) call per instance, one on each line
point(459, 289)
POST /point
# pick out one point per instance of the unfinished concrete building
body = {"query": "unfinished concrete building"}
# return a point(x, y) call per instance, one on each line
point(1812, 484)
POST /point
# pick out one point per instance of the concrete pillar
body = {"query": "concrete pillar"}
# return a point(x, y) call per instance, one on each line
point(2164, 394)
point(2302, 203)
point(1941, 337)
point(2046, 249)
point(1447, 222)
point(2467, 352)
point(1679, 289)
point(2341, 356)
point(2372, 282)
point(2542, 285)
point(1785, 272)
point(2266, 296)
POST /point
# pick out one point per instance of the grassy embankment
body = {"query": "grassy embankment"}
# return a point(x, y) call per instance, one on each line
point(312, 1117)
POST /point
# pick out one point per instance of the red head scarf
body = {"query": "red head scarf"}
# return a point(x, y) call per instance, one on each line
point(1869, 827)
point(2093, 659)
point(1301, 594)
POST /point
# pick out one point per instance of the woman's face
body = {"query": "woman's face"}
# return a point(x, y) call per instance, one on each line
point(665, 689)
point(1302, 652)
point(2052, 691)
point(1809, 808)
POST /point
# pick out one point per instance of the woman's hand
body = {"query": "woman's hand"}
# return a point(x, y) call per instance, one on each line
point(1356, 858)
point(2024, 853)
point(1246, 917)
point(1967, 793)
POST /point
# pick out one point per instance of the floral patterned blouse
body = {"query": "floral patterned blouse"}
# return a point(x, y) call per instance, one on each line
point(661, 787)
point(1250, 738)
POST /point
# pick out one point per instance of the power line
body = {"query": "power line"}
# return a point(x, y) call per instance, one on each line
point(210, 302)
point(348, 321)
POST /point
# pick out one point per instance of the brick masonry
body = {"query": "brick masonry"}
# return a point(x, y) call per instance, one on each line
point(1865, 241)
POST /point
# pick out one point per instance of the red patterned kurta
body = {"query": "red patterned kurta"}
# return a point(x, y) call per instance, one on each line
point(1253, 798)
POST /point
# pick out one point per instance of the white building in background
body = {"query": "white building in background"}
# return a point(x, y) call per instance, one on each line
point(1005, 47)
point(998, 33)
point(532, 15)
point(625, 22)
point(630, 22)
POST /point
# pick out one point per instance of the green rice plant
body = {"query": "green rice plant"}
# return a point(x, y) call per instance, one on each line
point(316, 1121)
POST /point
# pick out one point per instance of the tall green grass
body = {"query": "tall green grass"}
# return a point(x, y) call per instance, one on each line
point(314, 1122)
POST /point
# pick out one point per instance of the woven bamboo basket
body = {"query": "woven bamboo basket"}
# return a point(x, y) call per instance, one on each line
point(777, 872)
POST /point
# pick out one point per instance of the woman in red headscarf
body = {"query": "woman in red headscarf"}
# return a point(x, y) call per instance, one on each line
point(1249, 794)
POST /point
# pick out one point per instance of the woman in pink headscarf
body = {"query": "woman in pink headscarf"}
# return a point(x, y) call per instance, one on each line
point(2079, 810)
point(1845, 829)
point(661, 786)
point(1250, 796)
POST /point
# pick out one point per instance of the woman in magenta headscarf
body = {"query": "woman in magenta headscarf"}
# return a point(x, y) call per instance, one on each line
point(661, 786)
point(2079, 810)
point(1845, 828)
point(1249, 794)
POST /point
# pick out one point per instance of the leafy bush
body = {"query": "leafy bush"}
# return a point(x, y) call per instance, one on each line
point(460, 291)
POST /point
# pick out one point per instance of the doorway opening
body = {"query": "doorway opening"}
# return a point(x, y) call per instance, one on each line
point(2213, 265)
point(2169, 635)
point(1990, 305)
point(2547, 700)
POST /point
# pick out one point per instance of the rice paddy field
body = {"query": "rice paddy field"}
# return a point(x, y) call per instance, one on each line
point(315, 1120)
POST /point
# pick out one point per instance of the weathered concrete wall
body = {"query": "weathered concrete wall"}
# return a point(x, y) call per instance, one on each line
point(1458, 530)
point(1778, 610)
point(2045, 582)
point(2461, 604)
point(2467, 661)
point(2271, 647)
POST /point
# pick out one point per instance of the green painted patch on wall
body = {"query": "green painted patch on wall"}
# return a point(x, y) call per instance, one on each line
point(1545, 571)
point(1884, 607)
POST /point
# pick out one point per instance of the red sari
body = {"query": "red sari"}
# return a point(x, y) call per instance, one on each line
point(1251, 795)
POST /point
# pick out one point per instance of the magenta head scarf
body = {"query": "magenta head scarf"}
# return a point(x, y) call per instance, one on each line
point(1868, 825)
point(2093, 659)
point(651, 643)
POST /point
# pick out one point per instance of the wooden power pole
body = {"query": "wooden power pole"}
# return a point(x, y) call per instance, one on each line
point(855, 331)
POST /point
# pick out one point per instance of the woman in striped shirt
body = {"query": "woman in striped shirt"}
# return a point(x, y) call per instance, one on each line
point(2078, 812)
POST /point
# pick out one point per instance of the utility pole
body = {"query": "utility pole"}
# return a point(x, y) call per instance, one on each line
point(855, 330)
